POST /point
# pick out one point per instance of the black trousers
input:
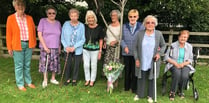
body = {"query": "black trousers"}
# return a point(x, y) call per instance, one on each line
point(179, 78)
point(141, 85)
point(77, 59)
point(130, 78)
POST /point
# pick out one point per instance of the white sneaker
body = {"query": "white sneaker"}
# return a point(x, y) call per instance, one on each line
point(54, 81)
point(136, 98)
point(44, 84)
point(150, 100)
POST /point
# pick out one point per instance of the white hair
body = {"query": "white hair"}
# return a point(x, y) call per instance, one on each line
point(116, 11)
point(150, 17)
point(73, 10)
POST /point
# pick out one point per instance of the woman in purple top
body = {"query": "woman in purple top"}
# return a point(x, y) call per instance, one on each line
point(49, 31)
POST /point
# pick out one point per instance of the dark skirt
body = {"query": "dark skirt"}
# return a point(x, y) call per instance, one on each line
point(53, 61)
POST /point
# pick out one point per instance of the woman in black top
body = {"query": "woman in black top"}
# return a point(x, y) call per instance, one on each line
point(92, 48)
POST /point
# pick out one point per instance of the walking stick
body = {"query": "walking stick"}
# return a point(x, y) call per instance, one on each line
point(155, 82)
point(46, 66)
point(63, 72)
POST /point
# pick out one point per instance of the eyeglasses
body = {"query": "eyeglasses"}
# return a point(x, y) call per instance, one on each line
point(150, 22)
point(132, 16)
point(50, 13)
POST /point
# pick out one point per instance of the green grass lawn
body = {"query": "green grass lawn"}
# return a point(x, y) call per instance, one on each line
point(81, 94)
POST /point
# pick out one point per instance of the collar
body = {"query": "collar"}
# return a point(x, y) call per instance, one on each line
point(24, 15)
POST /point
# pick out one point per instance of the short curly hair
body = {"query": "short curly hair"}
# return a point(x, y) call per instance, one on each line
point(50, 7)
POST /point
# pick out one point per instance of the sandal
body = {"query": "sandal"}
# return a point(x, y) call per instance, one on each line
point(87, 83)
point(91, 84)
point(171, 96)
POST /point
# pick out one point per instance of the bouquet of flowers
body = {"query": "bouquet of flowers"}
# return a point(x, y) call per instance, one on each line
point(112, 70)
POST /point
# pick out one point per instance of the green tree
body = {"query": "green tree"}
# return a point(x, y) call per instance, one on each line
point(191, 14)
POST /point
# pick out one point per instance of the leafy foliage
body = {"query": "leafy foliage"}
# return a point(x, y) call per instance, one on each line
point(189, 14)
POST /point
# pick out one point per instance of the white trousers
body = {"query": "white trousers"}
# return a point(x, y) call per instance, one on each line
point(90, 57)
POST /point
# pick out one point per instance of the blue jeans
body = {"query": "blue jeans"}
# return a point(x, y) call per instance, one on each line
point(22, 60)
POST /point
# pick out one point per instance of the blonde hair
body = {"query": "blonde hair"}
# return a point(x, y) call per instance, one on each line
point(19, 2)
point(133, 11)
point(150, 17)
point(90, 13)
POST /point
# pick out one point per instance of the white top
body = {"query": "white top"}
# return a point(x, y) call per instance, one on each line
point(110, 37)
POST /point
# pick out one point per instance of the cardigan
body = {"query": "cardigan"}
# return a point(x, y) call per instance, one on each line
point(78, 39)
point(173, 53)
point(128, 38)
point(13, 33)
point(159, 48)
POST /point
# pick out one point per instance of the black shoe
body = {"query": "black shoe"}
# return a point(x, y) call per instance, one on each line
point(181, 95)
point(74, 83)
point(66, 83)
point(172, 96)
point(133, 91)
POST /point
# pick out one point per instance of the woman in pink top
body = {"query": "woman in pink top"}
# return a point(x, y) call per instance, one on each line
point(49, 31)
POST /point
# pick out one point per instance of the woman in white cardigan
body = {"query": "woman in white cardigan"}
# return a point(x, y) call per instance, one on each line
point(179, 57)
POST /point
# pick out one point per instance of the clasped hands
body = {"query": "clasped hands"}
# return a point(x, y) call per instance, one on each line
point(179, 66)
point(70, 49)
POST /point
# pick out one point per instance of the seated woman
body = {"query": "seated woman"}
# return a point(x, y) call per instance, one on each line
point(179, 57)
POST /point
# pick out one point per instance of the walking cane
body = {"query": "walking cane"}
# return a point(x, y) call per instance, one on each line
point(155, 82)
point(45, 72)
point(63, 72)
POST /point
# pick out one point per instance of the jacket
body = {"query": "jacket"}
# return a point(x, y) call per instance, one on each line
point(173, 51)
point(159, 43)
point(129, 39)
point(13, 33)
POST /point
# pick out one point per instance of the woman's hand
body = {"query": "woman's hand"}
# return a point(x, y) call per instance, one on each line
point(157, 57)
point(137, 63)
point(67, 49)
point(99, 55)
point(10, 52)
point(177, 65)
point(47, 50)
point(72, 49)
point(126, 50)
point(113, 43)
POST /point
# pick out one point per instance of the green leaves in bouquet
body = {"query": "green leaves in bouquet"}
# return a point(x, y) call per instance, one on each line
point(112, 67)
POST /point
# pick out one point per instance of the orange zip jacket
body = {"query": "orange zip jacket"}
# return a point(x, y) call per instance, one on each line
point(13, 33)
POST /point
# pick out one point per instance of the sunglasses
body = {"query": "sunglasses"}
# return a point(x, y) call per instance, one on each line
point(132, 16)
point(51, 13)
point(150, 22)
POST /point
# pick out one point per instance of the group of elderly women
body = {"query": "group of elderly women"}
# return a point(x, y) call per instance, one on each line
point(141, 45)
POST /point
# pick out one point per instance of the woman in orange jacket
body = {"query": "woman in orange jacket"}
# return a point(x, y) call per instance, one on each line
point(21, 39)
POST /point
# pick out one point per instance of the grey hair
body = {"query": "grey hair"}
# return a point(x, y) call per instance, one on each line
point(90, 13)
point(150, 17)
point(18, 2)
point(50, 7)
point(73, 10)
point(117, 11)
